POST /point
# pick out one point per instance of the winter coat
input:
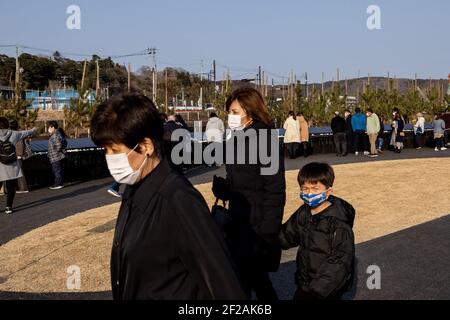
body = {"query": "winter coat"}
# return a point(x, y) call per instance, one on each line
point(12, 170)
point(292, 133)
point(326, 248)
point(167, 246)
point(256, 207)
point(359, 122)
point(438, 126)
point(420, 124)
point(373, 124)
point(304, 129)
point(338, 125)
point(56, 150)
point(214, 130)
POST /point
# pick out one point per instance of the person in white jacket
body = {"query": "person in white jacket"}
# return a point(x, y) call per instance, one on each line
point(291, 135)
point(419, 130)
point(214, 128)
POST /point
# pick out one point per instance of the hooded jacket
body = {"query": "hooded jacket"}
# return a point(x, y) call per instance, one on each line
point(359, 122)
point(12, 170)
point(215, 130)
point(326, 249)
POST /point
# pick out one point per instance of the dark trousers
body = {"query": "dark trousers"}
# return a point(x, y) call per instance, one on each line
point(58, 172)
point(340, 141)
point(292, 149)
point(257, 280)
point(115, 186)
point(420, 140)
point(10, 191)
point(360, 140)
point(350, 142)
point(22, 182)
point(439, 143)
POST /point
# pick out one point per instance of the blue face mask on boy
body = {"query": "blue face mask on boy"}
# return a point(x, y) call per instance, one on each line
point(314, 200)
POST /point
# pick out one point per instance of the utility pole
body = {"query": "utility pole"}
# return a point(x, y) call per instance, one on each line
point(17, 80)
point(152, 53)
point(97, 86)
point(214, 74)
point(167, 99)
point(200, 100)
point(129, 77)
point(323, 76)
point(259, 78)
point(306, 83)
point(64, 79)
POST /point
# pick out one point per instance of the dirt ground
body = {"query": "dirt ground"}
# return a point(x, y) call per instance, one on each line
point(388, 196)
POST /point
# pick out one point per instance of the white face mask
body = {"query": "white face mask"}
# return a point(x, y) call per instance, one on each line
point(121, 170)
point(234, 122)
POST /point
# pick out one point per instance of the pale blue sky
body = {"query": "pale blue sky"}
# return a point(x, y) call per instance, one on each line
point(311, 36)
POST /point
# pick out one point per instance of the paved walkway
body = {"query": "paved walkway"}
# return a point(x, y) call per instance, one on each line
point(414, 258)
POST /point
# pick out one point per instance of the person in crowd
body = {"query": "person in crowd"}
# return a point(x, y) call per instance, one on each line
point(57, 145)
point(322, 230)
point(10, 169)
point(166, 244)
point(419, 131)
point(291, 135)
point(22, 186)
point(438, 132)
point(114, 189)
point(397, 134)
point(349, 131)
point(169, 127)
point(215, 128)
point(446, 117)
point(339, 128)
point(373, 129)
point(180, 121)
point(304, 133)
point(256, 201)
point(381, 135)
point(359, 130)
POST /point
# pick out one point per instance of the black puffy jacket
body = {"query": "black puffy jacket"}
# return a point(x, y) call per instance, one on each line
point(256, 207)
point(325, 257)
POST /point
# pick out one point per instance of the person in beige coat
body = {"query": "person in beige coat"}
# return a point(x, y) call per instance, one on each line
point(291, 135)
point(304, 133)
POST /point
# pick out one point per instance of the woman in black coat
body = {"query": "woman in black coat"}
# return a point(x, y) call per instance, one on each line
point(166, 245)
point(256, 199)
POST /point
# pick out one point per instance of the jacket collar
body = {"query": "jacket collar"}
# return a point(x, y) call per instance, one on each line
point(142, 193)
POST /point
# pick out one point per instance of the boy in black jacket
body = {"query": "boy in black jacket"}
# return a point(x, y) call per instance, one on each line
point(322, 229)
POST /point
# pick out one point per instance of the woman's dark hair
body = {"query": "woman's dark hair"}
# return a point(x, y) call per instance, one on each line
point(128, 120)
point(369, 110)
point(53, 124)
point(252, 102)
point(4, 123)
point(62, 132)
point(315, 172)
point(179, 119)
point(213, 115)
point(13, 124)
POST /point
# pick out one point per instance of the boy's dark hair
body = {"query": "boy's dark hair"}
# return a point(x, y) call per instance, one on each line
point(369, 110)
point(357, 109)
point(315, 172)
point(128, 120)
point(53, 124)
point(4, 123)
point(213, 115)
